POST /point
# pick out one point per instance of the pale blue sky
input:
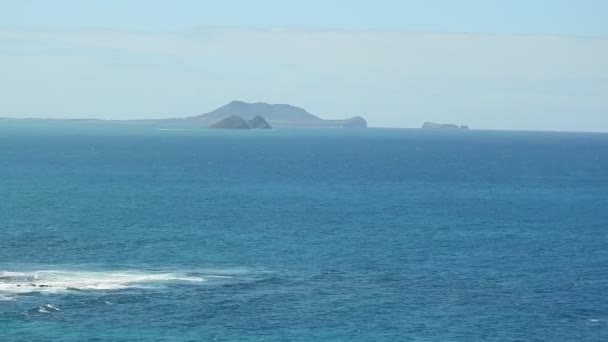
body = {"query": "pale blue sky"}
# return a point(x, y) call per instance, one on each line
point(492, 64)
point(574, 17)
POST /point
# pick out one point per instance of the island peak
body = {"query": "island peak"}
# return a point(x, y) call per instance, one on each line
point(276, 115)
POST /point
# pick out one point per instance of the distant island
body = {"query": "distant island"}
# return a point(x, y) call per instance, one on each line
point(276, 115)
point(236, 122)
point(243, 115)
point(432, 125)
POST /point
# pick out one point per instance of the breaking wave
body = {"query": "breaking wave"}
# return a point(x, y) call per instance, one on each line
point(54, 281)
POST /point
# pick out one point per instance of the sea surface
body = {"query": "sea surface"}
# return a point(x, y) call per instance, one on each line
point(149, 233)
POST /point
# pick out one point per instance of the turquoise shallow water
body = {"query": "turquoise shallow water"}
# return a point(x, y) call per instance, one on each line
point(144, 234)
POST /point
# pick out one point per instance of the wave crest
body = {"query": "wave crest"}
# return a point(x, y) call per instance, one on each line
point(52, 281)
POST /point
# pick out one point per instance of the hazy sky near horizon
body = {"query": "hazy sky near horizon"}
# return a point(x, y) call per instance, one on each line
point(491, 64)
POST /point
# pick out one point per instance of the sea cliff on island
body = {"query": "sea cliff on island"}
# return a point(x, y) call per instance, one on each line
point(236, 122)
point(432, 125)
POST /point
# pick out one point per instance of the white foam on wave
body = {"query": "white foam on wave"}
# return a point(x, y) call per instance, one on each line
point(53, 281)
point(53, 307)
point(48, 308)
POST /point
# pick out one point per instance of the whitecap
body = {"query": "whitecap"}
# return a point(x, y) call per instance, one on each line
point(52, 307)
point(6, 298)
point(7, 274)
point(53, 281)
point(47, 308)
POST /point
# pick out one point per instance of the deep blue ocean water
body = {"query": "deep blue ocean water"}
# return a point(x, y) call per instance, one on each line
point(135, 233)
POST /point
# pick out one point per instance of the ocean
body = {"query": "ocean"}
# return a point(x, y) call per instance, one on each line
point(143, 233)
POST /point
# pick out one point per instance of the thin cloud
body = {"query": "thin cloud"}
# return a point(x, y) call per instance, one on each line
point(401, 75)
